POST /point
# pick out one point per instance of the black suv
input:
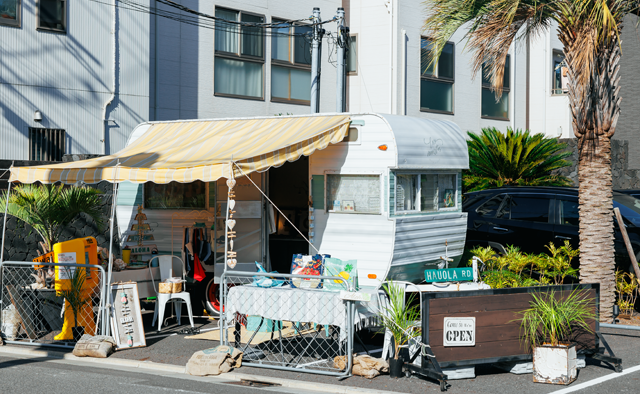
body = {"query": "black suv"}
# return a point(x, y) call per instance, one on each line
point(531, 217)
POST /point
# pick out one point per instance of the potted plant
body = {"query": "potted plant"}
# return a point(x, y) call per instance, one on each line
point(550, 326)
point(76, 299)
point(401, 318)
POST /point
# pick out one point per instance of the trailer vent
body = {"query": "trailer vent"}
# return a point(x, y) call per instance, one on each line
point(46, 144)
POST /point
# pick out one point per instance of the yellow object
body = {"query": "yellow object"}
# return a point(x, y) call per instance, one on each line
point(184, 151)
point(76, 251)
point(126, 255)
point(344, 275)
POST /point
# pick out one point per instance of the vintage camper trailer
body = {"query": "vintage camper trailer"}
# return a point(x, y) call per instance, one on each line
point(387, 193)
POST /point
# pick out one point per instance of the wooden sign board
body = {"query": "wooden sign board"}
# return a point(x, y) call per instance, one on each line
point(126, 319)
point(449, 275)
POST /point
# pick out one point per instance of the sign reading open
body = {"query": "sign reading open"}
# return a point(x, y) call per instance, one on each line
point(459, 331)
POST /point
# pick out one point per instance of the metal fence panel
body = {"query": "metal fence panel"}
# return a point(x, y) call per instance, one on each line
point(281, 327)
point(33, 312)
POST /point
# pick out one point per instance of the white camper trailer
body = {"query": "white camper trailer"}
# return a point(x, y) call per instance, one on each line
point(386, 193)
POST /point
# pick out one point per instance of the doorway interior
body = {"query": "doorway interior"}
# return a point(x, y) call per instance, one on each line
point(289, 191)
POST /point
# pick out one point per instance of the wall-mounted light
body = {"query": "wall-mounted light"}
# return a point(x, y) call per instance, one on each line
point(37, 116)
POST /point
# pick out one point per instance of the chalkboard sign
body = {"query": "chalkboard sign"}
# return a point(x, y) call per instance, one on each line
point(126, 319)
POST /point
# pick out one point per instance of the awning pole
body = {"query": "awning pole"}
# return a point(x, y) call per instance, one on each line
point(4, 220)
point(110, 268)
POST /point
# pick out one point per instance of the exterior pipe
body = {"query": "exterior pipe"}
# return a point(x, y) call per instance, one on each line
point(620, 326)
point(113, 89)
point(403, 73)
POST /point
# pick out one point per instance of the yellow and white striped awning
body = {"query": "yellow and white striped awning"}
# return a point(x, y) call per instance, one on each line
point(185, 151)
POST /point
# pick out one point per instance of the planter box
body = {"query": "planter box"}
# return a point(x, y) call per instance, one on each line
point(555, 364)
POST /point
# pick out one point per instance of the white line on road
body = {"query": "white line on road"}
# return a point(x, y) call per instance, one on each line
point(597, 380)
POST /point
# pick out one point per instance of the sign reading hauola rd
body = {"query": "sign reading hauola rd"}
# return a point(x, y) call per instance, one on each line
point(449, 275)
point(459, 331)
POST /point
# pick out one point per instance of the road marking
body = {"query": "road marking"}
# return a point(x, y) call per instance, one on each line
point(598, 380)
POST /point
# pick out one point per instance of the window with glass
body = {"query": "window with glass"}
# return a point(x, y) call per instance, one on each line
point(492, 108)
point(352, 55)
point(436, 80)
point(175, 195)
point(10, 12)
point(239, 55)
point(52, 15)
point(416, 193)
point(559, 74)
point(291, 63)
point(353, 193)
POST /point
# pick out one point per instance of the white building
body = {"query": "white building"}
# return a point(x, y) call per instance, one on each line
point(62, 62)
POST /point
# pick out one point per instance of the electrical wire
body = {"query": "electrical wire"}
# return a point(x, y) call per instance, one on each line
point(207, 21)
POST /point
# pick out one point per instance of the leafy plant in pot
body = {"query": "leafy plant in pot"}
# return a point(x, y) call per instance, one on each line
point(400, 317)
point(551, 326)
point(75, 298)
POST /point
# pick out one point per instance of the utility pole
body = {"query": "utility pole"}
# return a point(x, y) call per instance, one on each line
point(316, 50)
point(343, 42)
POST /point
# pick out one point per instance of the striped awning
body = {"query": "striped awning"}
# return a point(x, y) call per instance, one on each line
point(185, 151)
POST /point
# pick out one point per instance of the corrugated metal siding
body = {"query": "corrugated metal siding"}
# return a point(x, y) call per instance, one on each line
point(421, 239)
point(68, 77)
point(366, 238)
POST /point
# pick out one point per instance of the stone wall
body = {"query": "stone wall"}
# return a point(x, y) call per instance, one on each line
point(21, 243)
point(623, 177)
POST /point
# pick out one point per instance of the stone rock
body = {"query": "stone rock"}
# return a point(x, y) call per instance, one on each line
point(20, 245)
point(19, 257)
point(11, 223)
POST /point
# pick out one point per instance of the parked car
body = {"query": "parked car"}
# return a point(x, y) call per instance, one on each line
point(635, 193)
point(531, 217)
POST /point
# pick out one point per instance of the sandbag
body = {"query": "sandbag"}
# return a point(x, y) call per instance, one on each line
point(11, 322)
point(364, 365)
point(100, 346)
point(220, 359)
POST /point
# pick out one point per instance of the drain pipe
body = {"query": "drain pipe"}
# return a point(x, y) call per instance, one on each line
point(113, 89)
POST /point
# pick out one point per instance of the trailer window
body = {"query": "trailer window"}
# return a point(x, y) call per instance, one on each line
point(175, 195)
point(353, 193)
point(416, 193)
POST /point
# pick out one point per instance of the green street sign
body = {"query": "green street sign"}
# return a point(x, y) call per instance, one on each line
point(449, 275)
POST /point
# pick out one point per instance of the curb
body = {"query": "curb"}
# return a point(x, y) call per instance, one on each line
point(160, 367)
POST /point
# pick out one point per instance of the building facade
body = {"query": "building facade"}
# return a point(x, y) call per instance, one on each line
point(77, 78)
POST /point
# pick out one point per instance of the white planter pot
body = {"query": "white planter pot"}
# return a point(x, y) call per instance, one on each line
point(555, 364)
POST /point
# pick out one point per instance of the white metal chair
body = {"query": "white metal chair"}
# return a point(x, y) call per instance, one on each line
point(168, 268)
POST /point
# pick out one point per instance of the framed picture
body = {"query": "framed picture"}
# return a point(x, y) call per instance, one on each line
point(449, 198)
point(348, 206)
point(126, 320)
point(10, 12)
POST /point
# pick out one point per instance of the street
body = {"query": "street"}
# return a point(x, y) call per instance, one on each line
point(33, 375)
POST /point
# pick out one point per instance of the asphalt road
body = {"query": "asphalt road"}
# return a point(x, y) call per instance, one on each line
point(626, 344)
point(41, 375)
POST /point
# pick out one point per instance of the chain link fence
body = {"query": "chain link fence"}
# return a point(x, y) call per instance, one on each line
point(288, 322)
point(49, 304)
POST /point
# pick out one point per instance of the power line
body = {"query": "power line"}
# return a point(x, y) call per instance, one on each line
point(198, 19)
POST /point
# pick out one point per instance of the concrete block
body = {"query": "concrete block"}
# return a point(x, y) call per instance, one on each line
point(460, 373)
point(517, 368)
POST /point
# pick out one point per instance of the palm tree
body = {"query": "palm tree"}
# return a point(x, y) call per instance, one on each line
point(590, 32)
point(50, 208)
point(516, 158)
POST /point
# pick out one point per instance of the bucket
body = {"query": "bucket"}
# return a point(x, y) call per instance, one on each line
point(126, 255)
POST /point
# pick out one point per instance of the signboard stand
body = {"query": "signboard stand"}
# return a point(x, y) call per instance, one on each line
point(126, 319)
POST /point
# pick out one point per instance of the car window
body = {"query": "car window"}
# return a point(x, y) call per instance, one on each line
point(527, 208)
point(489, 208)
point(569, 214)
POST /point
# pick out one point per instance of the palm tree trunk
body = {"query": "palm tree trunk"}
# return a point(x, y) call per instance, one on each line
point(597, 262)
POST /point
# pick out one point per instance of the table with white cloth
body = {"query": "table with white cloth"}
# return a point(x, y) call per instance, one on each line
point(322, 307)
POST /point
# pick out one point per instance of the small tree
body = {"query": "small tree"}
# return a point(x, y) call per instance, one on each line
point(514, 158)
point(74, 292)
point(51, 208)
